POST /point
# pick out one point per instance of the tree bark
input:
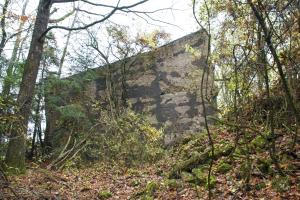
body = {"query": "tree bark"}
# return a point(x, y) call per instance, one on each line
point(15, 156)
point(7, 84)
point(4, 35)
point(66, 45)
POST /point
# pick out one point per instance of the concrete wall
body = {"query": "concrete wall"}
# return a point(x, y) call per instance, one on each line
point(164, 84)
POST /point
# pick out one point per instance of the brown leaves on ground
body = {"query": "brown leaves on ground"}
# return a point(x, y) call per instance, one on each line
point(125, 183)
point(132, 183)
point(88, 183)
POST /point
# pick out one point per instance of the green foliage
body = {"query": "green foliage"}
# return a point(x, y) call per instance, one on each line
point(128, 139)
point(151, 187)
point(260, 186)
point(259, 142)
point(212, 181)
point(188, 177)
point(281, 183)
point(172, 183)
point(71, 113)
point(105, 194)
point(200, 174)
point(195, 53)
point(264, 165)
point(135, 183)
point(224, 167)
point(154, 39)
point(9, 119)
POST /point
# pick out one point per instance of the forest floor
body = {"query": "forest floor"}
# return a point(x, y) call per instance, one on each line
point(102, 182)
point(153, 181)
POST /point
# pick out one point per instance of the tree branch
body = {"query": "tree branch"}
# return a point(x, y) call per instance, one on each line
point(268, 39)
point(62, 18)
point(63, 1)
point(115, 9)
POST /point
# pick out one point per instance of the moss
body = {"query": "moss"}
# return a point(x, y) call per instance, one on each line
point(258, 143)
point(264, 165)
point(243, 170)
point(200, 159)
point(281, 183)
point(243, 151)
point(15, 156)
point(151, 187)
point(200, 174)
point(260, 186)
point(105, 194)
point(148, 191)
point(147, 197)
point(223, 149)
point(135, 183)
point(172, 183)
point(213, 182)
point(224, 167)
point(188, 177)
point(237, 152)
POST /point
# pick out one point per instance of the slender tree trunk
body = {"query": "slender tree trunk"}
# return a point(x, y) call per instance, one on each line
point(13, 60)
point(262, 61)
point(31, 154)
point(15, 156)
point(2, 23)
point(235, 101)
point(268, 40)
point(66, 46)
point(37, 123)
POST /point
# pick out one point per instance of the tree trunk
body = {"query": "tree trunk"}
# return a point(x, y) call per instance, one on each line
point(66, 46)
point(7, 84)
point(15, 156)
point(3, 19)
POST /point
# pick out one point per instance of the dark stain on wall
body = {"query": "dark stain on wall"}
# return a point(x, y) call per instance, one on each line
point(100, 86)
point(175, 74)
point(193, 103)
point(199, 42)
point(179, 52)
point(199, 62)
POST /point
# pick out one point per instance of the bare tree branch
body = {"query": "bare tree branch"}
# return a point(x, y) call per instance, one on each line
point(115, 9)
point(62, 18)
point(88, 12)
point(63, 1)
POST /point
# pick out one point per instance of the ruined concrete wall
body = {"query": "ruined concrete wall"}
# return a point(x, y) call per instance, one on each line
point(165, 85)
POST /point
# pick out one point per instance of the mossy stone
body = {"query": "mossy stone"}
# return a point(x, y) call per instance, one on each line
point(172, 183)
point(200, 174)
point(188, 177)
point(224, 167)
